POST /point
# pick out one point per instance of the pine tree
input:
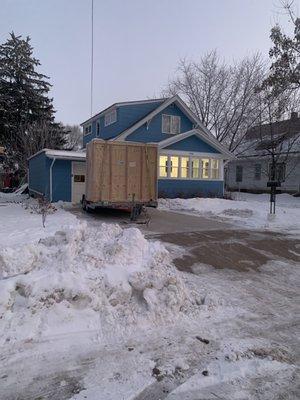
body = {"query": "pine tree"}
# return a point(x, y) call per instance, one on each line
point(24, 97)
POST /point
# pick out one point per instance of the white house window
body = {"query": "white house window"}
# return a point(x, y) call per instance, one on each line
point(88, 129)
point(174, 166)
point(170, 124)
point(195, 168)
point(205, 168)
point(110, 118)
point(214, 168)
point(184, 167)
point(163, 166)
point(188, 167)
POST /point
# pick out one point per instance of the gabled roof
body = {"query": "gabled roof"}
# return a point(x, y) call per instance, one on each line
point(199, 130)
point(121, 104)
point(203, 136)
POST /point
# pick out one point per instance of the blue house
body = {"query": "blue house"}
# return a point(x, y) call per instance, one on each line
point(191, 160)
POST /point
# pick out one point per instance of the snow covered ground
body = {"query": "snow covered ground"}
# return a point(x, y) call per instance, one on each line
point(246, 210)
point(98, 313)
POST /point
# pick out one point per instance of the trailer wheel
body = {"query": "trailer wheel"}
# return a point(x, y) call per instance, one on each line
point(84, 204)
point(135, 212)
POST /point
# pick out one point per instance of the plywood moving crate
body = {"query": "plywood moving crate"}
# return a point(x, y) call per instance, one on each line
point(120, 173)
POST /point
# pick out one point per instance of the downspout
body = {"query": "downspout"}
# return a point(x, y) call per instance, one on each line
point(51, 189)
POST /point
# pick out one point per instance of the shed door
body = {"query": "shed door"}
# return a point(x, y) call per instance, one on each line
point(78, 181)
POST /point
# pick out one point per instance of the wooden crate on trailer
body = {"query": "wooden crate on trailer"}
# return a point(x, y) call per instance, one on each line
point(120, 172)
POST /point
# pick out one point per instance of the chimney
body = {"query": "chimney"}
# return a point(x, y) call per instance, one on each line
point(294, 115)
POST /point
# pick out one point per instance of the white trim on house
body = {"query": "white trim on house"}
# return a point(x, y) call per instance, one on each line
point(61, 154)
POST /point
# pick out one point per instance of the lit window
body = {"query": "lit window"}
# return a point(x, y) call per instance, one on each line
point(174, 164)
point(110, 118)
point(195, 168)
point(170, 124)
point(214, 169)
point(184, 167)
point(163, 166)
point(205, 168)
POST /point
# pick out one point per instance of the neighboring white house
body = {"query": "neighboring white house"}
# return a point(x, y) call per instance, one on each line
point(250, 171)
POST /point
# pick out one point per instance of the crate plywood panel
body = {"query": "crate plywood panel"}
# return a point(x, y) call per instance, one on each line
point(117, 170)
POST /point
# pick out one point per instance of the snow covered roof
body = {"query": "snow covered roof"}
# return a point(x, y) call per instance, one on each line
point(62, 154)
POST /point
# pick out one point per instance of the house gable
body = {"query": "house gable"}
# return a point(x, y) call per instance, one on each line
point(192, 143)
point(152, 130)
point(127, 115)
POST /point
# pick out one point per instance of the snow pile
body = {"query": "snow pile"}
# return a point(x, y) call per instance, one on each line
point(84, 278)
point(251, 211)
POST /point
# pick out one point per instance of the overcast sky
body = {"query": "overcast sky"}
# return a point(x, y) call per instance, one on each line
point(137, 43)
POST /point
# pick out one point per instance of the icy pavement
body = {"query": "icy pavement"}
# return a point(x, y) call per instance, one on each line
point(100, 312)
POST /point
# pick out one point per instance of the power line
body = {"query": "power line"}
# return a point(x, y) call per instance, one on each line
point(92, 57)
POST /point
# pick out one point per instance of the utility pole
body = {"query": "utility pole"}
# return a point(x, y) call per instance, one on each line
point(92, 56)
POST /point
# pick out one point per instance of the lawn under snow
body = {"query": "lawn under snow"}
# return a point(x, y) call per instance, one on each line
point(101, 313)
point(250, 210)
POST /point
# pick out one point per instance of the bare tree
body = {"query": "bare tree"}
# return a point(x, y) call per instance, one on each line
point(33, 138)
point(224, 97)
point(276, 138)
point(73, 137)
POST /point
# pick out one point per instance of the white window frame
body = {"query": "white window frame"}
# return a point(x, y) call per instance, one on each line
point(87, 130)
point(190, 158)
point(172, 118)
point(110, 117)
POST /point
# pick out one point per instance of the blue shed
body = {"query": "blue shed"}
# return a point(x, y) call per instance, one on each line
point(57, 175)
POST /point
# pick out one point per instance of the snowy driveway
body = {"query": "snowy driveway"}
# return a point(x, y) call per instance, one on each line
point(94, 311)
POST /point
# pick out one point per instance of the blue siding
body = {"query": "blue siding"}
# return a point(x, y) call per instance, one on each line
point(192, 143)
point(38, 176)
point(126, 117)
point(62, 180)
point(153, 133)
point(173, 188)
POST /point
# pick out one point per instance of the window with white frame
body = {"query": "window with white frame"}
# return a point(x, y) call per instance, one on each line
point(205, 168)
point(110, 118)
point(174, 166)
point(214, 168)
point(88, 129)
point(185, 163)
point(170, 124)
point(188, 167)
point(163, 166)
